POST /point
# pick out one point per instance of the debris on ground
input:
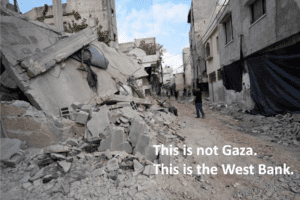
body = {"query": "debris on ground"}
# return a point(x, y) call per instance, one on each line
point(284, 129)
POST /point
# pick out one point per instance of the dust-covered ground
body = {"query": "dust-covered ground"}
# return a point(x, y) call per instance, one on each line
point(216, 130)
point(210, 132)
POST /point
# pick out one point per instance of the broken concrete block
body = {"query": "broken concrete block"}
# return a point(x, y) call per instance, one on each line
point(86, 108)
point(124, 120)
point(165, 138)
point(105, 143)
point(113, 165)
point(27, 185)
point(15, 159)
point(115, 142)
point(99, 124)
point(65, 166)
point(98, 172)
point(129, 113)
point(56, 149)
point(77, 105)
point(112, 175)
point(138, 167)
point(72, 141)
point(149, 170)
point(82, 117)
point(37, 183)
point(164, 159)
point(137, 128)
point(150, 153)
point(130, 182)
point(9, 147)
point(56, 156)
point(114, 116)
point(108, 154)
point(126, 147)
point(143, 142)
point(117, 139)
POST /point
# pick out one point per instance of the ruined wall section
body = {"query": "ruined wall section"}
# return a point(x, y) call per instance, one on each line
point(38, 129)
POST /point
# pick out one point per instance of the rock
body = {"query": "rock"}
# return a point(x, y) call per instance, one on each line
point(138, 167)
point(130, 182)
point(56, 149)
point(26, 185)
point(69, 159)
point(108, 154)
point(98, 172)
point(113, 165)
point(115, 142)
point(82, 117)
point(10, 152)
point(296, 118)
point(165, 159)
point(112, 175)
point(129, 113)
point(65, 166)
point(132, 192)
point(150, 153)
point(72, 141)
point(48, 178)
point(80, 156)
point(113, 191)
point(34, 170)
point(165, 138)
point(87, 108)
point(9, 147)
point(137, 128)
point(38, 175)
point(142, 144)
point(149, 170)
point(124, 119)
point(37, 183)
point(76, 105)
point(56, 156)
point(99, 124)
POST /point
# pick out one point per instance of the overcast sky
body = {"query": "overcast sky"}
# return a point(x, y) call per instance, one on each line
point(164, 19)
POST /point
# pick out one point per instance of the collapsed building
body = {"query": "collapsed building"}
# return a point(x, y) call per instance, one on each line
point(76, 100)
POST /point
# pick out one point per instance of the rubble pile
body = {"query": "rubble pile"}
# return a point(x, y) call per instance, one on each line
point(114, 159)
point(284, 129)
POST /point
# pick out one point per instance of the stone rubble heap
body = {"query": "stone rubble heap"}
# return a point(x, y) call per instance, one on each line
point(113, 160)
point(284, 129)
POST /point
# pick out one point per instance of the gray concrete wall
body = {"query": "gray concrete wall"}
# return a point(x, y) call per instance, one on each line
point(104, 11)
point(280, 21)
point(201, 11)
point(188, 73)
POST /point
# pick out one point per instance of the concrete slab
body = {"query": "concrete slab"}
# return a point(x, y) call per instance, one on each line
point(142, 144)
point(137, 128)
point(99, 124)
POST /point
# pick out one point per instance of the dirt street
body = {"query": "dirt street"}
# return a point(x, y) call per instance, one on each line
point(212, 131)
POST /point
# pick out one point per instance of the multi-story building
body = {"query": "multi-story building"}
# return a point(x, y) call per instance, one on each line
point(101, 12)
point(187, 68)
point(198, 17)
point(150, 63)
point(250, 50)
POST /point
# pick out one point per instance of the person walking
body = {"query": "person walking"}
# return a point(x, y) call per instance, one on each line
point(198, 102)
point(176, 94)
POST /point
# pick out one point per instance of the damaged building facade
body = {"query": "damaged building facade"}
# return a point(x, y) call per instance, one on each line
point(76, 107)
point(187, 68)
point(150, 62)
point(198, 17)
point(246, 47)
point(94, 12)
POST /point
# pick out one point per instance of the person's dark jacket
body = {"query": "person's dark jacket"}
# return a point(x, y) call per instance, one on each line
point(198, 95)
